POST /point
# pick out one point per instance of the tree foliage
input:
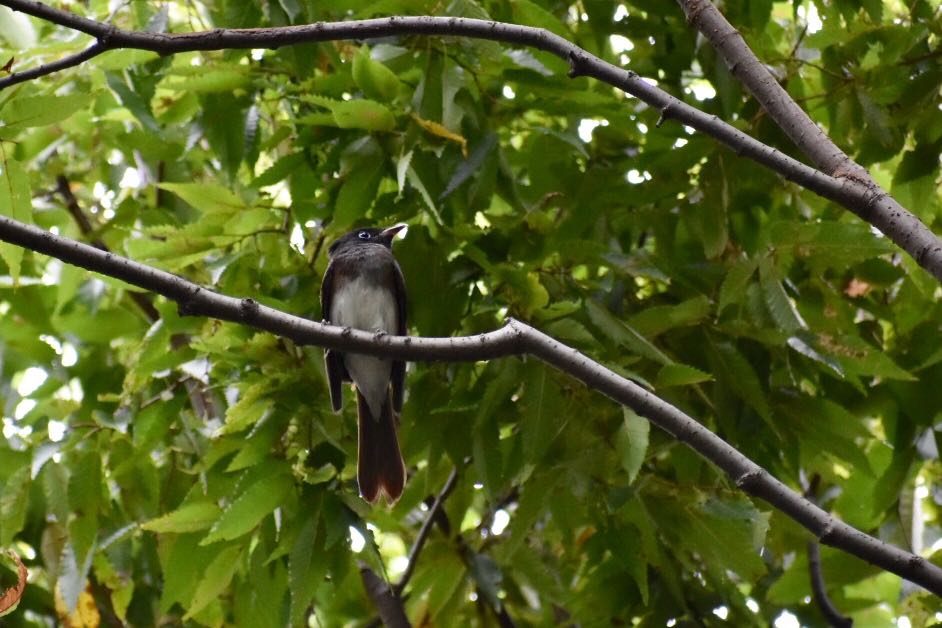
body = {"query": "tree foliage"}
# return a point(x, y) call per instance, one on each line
point(161, 468)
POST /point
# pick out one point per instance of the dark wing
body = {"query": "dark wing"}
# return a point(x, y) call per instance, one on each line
point(333, 361)
point(398, 375)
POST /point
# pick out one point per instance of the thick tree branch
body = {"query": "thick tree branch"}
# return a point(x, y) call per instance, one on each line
point(882, 210)
point(515, 338)
point(873, 205)
point(744, 65)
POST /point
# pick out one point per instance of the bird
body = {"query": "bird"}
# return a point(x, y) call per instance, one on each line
point(363, 288)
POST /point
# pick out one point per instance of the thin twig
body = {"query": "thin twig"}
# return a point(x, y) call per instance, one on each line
point(55, 66)
point(818, 587)
point(420, 538)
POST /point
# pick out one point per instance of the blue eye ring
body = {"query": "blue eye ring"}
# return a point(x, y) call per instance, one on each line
point(364, 235)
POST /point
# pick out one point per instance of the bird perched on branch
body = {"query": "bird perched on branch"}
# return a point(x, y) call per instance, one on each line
point(363, 288)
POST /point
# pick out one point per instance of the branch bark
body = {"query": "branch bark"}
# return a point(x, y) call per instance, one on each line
point(885, 213)
point(515, 338)
point(387, 603)
point(792, 119)
point(869, 203)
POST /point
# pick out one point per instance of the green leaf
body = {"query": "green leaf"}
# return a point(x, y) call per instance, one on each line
point(209, 80)
point(306, 563)
point(780, 306)
point(623, 334)
point(279, 170)
point(254, 403)
point(830, 242)
point(631, 442)
point(187, 518)
point(16, 203)
point(543, 410)
point(680, 375)
point(656, 320)
point(368, 115)
point(735, 370)
point(215, 580)
point(375, 79)
point(357, 192)
point(32, 111)
point(13, 505)
point(211, 198)
point(734, 286)
point(251, 506)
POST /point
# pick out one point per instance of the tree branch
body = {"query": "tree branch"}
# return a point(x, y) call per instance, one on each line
point(387, 603)
point(871, 204)
point(881, 210)
point(819, 589)
point(420, 538)
point(48, 68)
point(515, 338)
point(744, 65)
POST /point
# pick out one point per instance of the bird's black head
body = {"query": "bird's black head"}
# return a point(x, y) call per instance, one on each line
point(366, 236)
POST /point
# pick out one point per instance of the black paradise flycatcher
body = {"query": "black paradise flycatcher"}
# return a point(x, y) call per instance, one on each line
point(363, 288)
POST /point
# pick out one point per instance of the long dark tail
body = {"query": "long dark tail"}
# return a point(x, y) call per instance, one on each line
point(379, 465)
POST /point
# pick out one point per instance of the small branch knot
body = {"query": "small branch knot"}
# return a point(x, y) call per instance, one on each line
point(248, 307)
point(665, 114)
point(576, 64)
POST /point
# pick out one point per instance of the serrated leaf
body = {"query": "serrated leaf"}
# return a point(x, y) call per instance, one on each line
point(623, 334)
point(543, 416)
point(13, 504)
point(631, 442)
point(357, 192)
point(375, 79)
point(781, 308)
point(470, 165)
point(734, 368)
point(734, 286)
point(680, 375)
point(415, 181)
point(804, 348)
point(439, 130)
point(187, 518)
point(30, 111)
point(208, 197)
point(279, 170)
point(215, 580)
point(656, 320)
point(250, 507)
point(306, 563)
point(253, 404)
point(532, 14)
point(209, 80)
point(368, 115)
point(831, 242)
point(16, 203)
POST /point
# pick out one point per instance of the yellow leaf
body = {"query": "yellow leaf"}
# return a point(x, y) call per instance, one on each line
point(437, 129)
point(85, 615)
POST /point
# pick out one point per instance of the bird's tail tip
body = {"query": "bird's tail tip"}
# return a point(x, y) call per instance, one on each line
point(380, 467)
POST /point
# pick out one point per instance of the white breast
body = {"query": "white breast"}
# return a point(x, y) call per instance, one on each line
point(364, 305)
